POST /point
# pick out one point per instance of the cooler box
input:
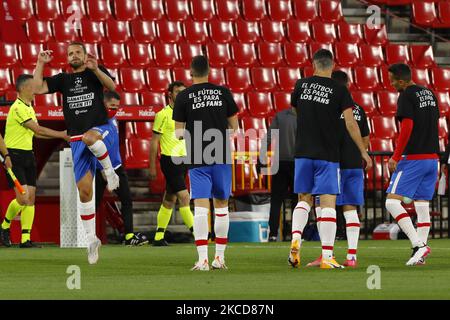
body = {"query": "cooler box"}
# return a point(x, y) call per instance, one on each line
point(248, 226)
point(386, 231)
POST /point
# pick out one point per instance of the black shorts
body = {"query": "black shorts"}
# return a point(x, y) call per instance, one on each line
point(175, 175)
point(23, 166)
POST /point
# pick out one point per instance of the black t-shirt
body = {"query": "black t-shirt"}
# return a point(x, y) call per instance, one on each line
point(83, 106)
point(350, 154)
point(202, 107)
point(419, 104)
point(319, 102)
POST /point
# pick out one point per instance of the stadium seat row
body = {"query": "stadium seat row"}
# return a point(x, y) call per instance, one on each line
point(431, 14)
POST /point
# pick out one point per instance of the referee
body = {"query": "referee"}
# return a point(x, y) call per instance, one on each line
point(21, 126)
point(164, 135)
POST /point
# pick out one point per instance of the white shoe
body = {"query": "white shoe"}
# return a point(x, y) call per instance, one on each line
point(418, 256)
point(112, 179)
point(201, 266)
point(93, 251)
point(219, 263)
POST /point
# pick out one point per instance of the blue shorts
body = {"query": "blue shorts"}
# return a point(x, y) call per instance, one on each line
point(111, 141)
point(212, 181)
point(352, 188)
point(415, 179)
point(316, 176)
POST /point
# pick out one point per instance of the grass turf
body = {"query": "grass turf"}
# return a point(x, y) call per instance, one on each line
point(256, 271)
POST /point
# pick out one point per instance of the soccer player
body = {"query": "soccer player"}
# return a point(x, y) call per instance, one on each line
point(207, 111)
point(320, 102)
point(111, 100)
point(352, 179)
point(415, 159)
point(84, 115)
point(175, 174)
point(21, 127)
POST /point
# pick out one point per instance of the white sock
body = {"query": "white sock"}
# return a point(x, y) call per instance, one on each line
point(399, 213)
point(299, 220)
point(328, 231)
point(423, 220)
point(201, 232)
point(352, 228)
point(221, 226)
point(87, 214)
point(318, 218)
point(100, 151)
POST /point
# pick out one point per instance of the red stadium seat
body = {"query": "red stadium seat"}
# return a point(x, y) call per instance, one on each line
point(253, 123)
point(38, 31)
point(270, 54)
point(263, 79)
point(443, 128)
point(217, 76)
point(305, 10)
point(347, 54)
point(381, 145)
point(144, 129)
point(50, 72)
point(153, 99)
point(279, 10)
point(385, 79)
point(247, 31)
point(366, 78)
point(330, 11)
point(378, 176)
point(349, 32)
point(63, 31)
point(221, 31)
point(442, 144)
point(308, 71)
point(202, 10)
point(69, 7)
point(315, 46)
point(287, 77)
point(21, 10)
point(387, 102)
point(130, 131)
point(59, 54)
point(137, 153)
point(424, 13)
point(187, 52)
point(227, 10)
point(218, 55)
point(195, 31)
point(371, 56)
point(421, 77)
point(272, 31)
point(132, 80)
point(366, 101)
point(349, 72)
point(139, 55)
point(183, 75)
point(113, 55)
point(177, 10)
point(29, 53)
point(91, 31)
point(143, 31)
point(238, 79)
point(396, 53)
point(98, 10)
point(422, 56)
point(253, 10)
point(129, 99)
point(443, 14)
point(46, 10)
point(323, 32)
point(376, 36)
point(151, 10)
point(281, 100)
point(169, 31)
point(296, 54)
point(443, 102)
point(117, 31)
point(165, 54)
point(5, 81)
point(298, 31)
point(15, 72)
point(259, 104)
point(8, 55)
point(239, 98)
point(46, 100)
point(441, 79)
point(244, 54)
point(384, 127)
point(158, 79)
point(126, 10)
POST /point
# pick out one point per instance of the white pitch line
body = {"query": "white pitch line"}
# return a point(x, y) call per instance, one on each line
point(373, 248)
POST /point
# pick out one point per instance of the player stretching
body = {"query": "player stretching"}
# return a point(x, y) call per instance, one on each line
point(85, 116)
point(415, 160)
point(352, 179)
point(207, 111)
point(175, 174)
point(320, 101)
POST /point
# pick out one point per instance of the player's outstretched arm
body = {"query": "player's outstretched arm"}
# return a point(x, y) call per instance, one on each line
point(46, 133)
point(43, 58)
point(355, 134)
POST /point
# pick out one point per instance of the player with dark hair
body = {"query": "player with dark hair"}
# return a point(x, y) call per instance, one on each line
point(320, 102)
point(415, 160)
point(203, 115)
point(85, 116)
point(175, 174)
point(21, 127)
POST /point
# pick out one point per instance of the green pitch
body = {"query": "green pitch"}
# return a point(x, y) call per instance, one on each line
point(256, 271)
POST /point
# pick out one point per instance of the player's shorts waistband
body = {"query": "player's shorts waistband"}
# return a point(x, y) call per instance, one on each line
point(425, 156)
point(76, 138)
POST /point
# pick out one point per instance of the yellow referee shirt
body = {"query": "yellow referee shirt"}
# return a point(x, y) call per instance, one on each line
point(164, 125)
point(16, 135)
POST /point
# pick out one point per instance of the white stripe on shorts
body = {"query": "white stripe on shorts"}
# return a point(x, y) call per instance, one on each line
point(397, 179)
point(339, 179)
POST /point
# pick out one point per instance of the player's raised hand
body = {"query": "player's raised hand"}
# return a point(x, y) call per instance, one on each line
point(91, 62)
point(45, 56)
